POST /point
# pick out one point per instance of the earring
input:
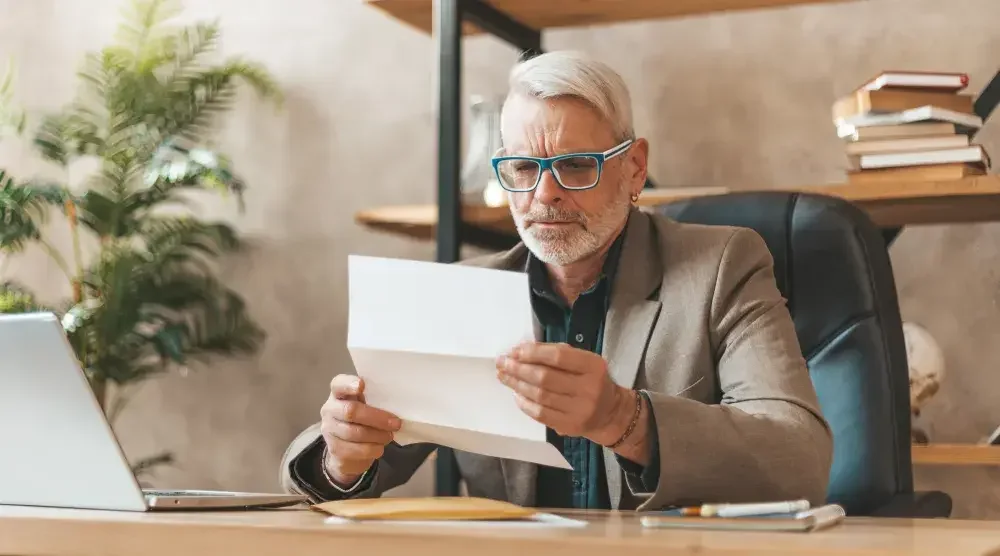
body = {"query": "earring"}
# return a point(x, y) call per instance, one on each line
point(635, 198)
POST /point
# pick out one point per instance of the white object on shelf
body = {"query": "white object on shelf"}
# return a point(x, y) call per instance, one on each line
point(926, 364)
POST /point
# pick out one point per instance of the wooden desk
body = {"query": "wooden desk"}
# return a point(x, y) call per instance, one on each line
point(29, 532)
point(956, 454)
point(890, 205)
point(546, 14)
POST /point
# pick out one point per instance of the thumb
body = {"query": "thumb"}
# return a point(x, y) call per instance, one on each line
point(347, 387)
point(361, 390)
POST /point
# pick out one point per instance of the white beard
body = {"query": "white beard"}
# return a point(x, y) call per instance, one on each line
point(576, 242)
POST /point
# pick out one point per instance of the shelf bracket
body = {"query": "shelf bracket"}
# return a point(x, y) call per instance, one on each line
point(988, 99)
point(504, 27)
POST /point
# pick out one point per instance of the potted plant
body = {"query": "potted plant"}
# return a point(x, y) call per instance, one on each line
point(146, 300)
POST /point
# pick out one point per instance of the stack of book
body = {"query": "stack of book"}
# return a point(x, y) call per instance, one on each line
point(910, 126)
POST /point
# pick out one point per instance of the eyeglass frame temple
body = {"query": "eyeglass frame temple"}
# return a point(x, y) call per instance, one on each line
point(546, 164)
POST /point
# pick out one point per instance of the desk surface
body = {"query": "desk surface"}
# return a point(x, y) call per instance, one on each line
point(37, 531)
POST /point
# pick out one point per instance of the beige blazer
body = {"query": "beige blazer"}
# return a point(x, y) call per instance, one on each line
point(695, 320)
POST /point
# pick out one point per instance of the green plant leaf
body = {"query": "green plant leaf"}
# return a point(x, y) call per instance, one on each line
point(174, 167)
point(23, 209)
point(16, 299)
point(74, 132)
point(100, 213)
point(169, 342)
point(159, 303)
point(193, 43)
point(12, 118)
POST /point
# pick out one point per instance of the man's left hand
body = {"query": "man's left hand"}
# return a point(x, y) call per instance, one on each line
point(566, 388)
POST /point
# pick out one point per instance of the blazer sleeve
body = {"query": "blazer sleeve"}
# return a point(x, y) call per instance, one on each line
point(767, 438)
point(302, 469)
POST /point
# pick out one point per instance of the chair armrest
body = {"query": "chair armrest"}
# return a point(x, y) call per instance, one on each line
point(916, 505)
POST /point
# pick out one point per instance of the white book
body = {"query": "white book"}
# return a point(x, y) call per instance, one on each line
point(908, 144)
point(847, 127)
point(971, 154)
point(919, 80)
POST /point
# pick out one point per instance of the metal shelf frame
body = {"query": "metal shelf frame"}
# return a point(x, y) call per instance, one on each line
point(449, 15)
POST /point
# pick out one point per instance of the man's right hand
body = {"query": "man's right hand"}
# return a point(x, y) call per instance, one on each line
point(355, 433)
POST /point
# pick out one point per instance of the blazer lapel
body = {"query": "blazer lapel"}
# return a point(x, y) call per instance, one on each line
point(630, 319)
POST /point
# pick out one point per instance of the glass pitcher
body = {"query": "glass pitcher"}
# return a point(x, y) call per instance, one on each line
point(479, 182)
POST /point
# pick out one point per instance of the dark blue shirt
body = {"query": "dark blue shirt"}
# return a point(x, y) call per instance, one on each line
point(582, 326)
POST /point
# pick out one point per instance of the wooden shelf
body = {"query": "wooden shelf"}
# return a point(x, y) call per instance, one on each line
point(975, 199)
point(542, 14)
point(956, 454)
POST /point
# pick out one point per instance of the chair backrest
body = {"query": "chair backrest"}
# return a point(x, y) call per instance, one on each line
point(831, 265)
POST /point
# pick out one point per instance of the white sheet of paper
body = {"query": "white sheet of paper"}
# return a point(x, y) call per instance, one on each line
point(425, 338)
point(539, 520)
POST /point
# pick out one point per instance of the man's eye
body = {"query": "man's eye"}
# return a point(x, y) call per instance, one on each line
point(578, 164)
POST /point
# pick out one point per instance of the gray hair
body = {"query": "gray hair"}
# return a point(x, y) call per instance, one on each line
point(567, 73)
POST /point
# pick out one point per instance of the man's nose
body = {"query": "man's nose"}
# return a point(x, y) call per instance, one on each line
point(548, 191)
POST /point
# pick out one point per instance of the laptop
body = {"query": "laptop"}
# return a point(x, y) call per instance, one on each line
point(57, 449)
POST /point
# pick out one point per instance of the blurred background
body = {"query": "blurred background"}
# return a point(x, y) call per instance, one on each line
point(737, 99)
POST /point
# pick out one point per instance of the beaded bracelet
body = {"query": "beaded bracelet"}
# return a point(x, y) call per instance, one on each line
point(631, 425)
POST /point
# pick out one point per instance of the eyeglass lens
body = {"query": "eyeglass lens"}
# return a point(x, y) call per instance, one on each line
point(574, 172)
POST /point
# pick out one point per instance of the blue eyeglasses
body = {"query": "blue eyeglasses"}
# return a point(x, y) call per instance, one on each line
point(574, 171)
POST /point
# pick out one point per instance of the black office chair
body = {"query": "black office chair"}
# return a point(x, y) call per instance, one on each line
point(831, 265)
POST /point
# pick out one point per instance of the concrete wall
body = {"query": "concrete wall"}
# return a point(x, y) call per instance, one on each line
point(737, 100)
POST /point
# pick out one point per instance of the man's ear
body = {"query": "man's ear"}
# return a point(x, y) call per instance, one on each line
point(638, 167)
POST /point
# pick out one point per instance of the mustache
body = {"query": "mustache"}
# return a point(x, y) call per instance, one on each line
point(546, 213)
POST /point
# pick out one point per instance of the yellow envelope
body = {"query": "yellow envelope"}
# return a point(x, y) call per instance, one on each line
point(452, 508)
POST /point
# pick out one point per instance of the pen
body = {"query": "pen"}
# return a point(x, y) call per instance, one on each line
point(739, 510)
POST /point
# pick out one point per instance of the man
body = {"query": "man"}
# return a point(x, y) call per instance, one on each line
point(666, 355)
